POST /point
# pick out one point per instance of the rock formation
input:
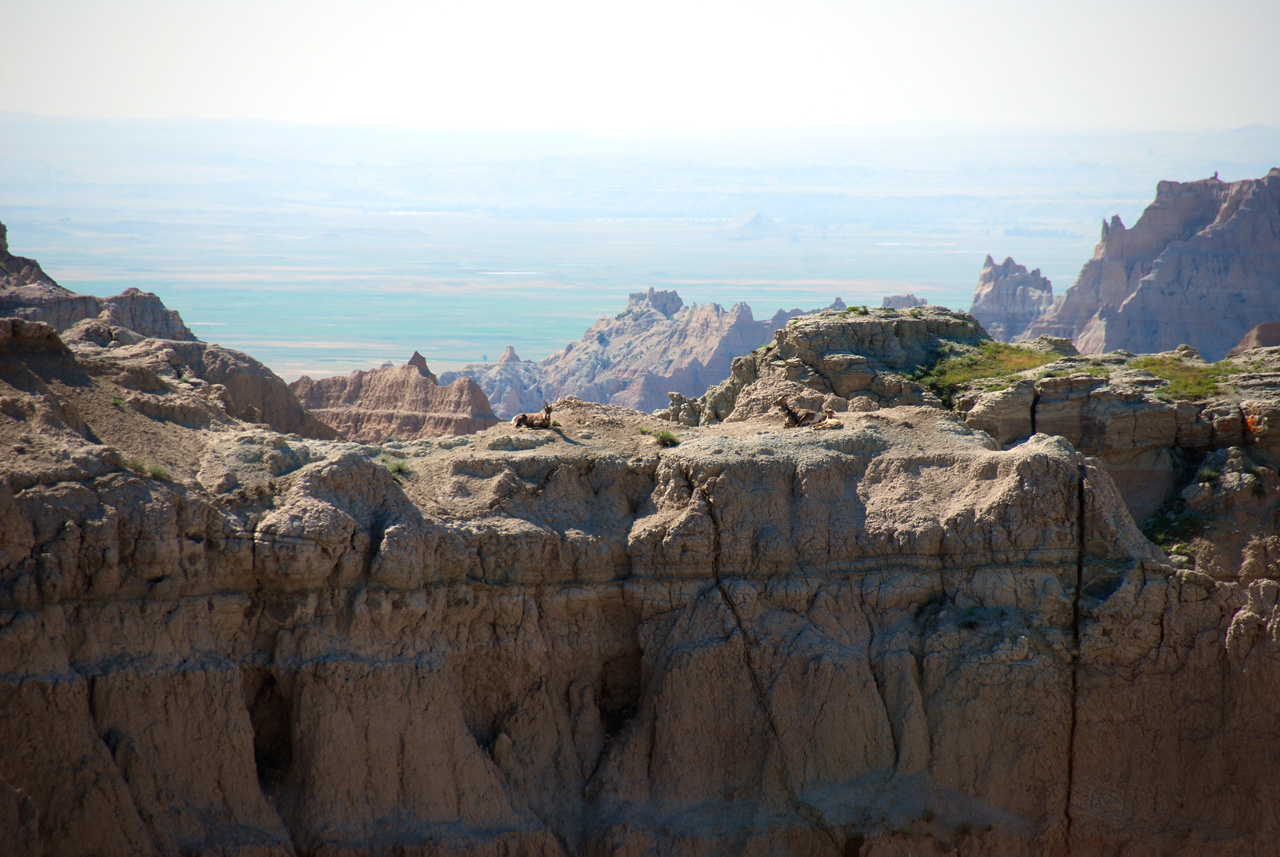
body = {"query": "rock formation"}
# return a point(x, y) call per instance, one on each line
point(657, 345)
point(403, 402)
point(906, 301)
point(891, 638)
point(512, 386)
point(1200, 267)
point(1009, 298)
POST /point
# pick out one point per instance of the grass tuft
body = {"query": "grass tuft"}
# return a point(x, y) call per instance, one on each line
point(666, 438)
point(117, 403)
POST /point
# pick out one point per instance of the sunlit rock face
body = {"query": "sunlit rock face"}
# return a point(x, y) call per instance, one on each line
point(1199, 268)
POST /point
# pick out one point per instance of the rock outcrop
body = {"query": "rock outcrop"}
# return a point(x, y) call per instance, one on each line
point(1009, 298)
point(657, 345)
point(1199, 268)
point(1265, 335)
point(404, 402)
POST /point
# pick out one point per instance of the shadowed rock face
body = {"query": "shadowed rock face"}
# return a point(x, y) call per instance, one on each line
point(1009, 297)
point(1198, 268)
point(403, 402)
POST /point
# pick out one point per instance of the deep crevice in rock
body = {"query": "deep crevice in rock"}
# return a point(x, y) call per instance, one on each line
point(270, 714)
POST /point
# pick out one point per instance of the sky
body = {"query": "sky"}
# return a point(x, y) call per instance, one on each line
point(550, 65)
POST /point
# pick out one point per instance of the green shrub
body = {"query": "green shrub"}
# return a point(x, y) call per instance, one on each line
point(915, 312)
point(397, 466)
point(1185, 380)
point(144, 468)
point(1173, 525)
point(1207, 474)
point(117, 403)
point(645, 430)
point(666, 438)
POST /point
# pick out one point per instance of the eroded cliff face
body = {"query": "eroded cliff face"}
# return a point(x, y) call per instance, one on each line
point(1198, 268)
point(892, 637)
point(403, 402)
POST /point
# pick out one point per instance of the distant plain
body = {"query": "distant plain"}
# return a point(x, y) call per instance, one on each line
point(321, 250)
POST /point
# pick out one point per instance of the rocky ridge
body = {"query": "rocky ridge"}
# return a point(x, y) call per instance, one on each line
point(655, 346)
point(403, 402)
point(889, 637)
point(1198, 268)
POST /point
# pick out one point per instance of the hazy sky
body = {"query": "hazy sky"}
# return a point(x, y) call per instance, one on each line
point(557, 65)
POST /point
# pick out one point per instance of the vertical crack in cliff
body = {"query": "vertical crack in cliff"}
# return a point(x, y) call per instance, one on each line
point(1075, 647)
point(377, 531)
point(1035, 402)
point(807, 811)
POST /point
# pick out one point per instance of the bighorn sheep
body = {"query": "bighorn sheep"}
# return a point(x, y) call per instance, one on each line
point(796, 417)
point(828, 420)
point(534, 421)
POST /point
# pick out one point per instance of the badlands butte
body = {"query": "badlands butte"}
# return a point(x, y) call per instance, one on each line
point(929, 624)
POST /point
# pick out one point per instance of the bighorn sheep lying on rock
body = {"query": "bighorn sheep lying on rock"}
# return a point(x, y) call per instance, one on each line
point(828, 420)
point(795, 417)
point(534, 421)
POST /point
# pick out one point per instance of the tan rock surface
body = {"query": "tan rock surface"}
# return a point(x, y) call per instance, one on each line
point(402, 402)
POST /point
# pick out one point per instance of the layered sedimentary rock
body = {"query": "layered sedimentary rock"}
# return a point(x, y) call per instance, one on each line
point(657, 345)
point(1009, 298)
point(1200, 267)
point(403, 402)
point(893, 637)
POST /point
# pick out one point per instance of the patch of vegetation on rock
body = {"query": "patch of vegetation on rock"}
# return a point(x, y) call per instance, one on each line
point(1186, 380)
point(994, 360)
